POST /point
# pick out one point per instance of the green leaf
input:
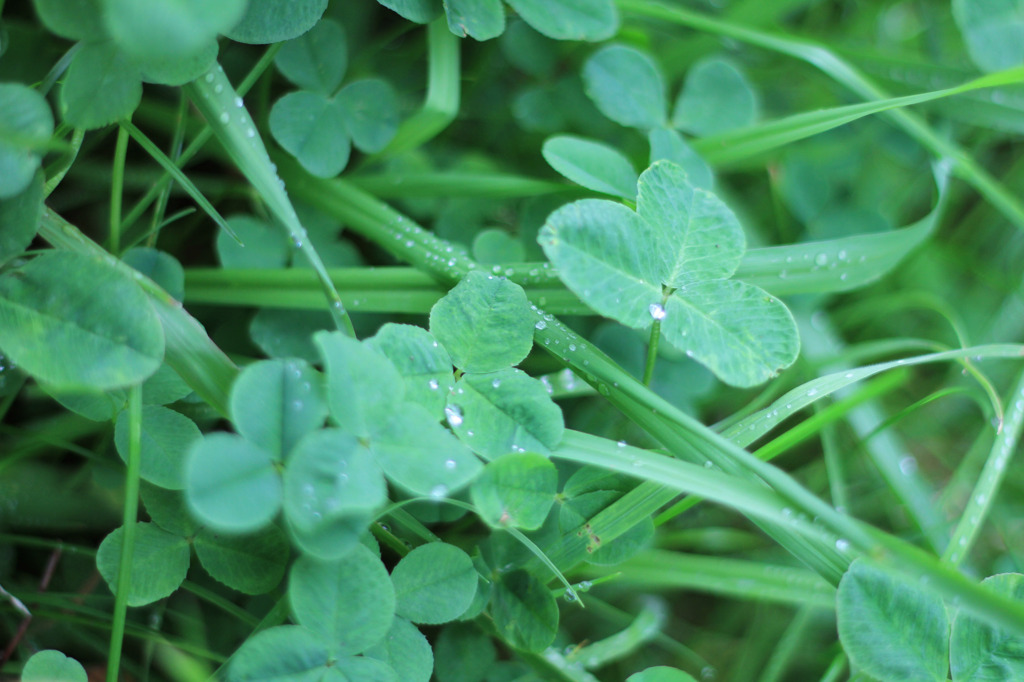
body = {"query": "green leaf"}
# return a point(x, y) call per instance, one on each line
point(494, 246)
point(370, 110)
point(52, 666)
point(168, 509)
point(668, 145)
point(332, 480)
point(274, 21)
point(406, 650)
point(159, 266)
point(72, 19)
point(316, 60)
point(168, 29)
point(660, 673)
point(159, 563)
point(25, 130)
point(667, 263)
point(333, 538)
point(591, 164)
point(282, 333)
point(715, 98)
point(274, 403)
point(231, 484)
point(19, 217)
point(891, 628)
point(294, 653)
point(99, 406)
point(420, 11)
point(263, 245)
point(502, 412)
point(349, 601)
point(99, 68)
point(625, 546)
point(524, 611)
point(979, 651)
point(76, 323)
point(516, 490)
point(434, 583)
point(420, 359)
point(993, 31)
point(484, 322)
point(167, 437)
point(480, 19)
point(163, 387)
point(420, 455)
point(311, 127)
point(463, 654)
point(591, 20)
point(363, 386)
point(253, 564)
point(626, 85)
point(178, 71)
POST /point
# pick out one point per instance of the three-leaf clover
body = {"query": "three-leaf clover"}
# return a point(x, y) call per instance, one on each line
point(670, 262)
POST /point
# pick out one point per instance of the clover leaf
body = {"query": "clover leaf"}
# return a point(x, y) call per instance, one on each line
point(669, 262)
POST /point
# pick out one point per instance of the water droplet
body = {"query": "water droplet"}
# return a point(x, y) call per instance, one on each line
point(621, 443)
point(821, 259)
point(541, 324)
point(842, 545)
point(450, 464)
point(454, 415)
point(811, 393)
point(224, 117)
point(708, 464)
point(296, 405)
point(708, 673)
point(439, 492)
point(496, 383)
point(433, 384)
point(657, 311)
point(570, 594)
point(908, 466)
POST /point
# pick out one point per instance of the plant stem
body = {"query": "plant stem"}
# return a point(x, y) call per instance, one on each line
point(116, 187)
point(652, 352)
point(131, 508)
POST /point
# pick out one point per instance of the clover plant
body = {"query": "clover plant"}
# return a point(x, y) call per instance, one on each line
point(314, 367)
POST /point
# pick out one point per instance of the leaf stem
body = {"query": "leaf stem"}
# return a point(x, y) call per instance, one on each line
point(116, 188)
point(131, 508)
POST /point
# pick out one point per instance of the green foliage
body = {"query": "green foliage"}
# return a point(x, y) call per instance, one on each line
point(417, 380)
point(891, 628)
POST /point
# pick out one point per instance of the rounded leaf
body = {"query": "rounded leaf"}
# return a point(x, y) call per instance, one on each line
point(626, 86)
point(668, 145)
point(516, 490)
point(292, 652)
point(349, 601)
point(406, 650)
point(231, 484)
point(419, 11)
point(420, 359)
point(980, 651)
point(495, 245)
point(331, 474)
point(78, 20)
point(370, 110)
point(715, 98)
point(274, 403)
point(169, 29)
point(661, 673)
point(317, 59)
point(52, 666)
point(25, 130)
point(479, 19)
point(891, 628)
point(420, 455)
point(263, 245)
point(167, 437)
point(591, 20)
point(253, 564)
point(524, 611)
point(434, 583)
point(273, 21)
point(502, 412)
point(311, 127)
point(77, 323)
point(159, 266)
point(102, 85)
point(284, 333)
point(19, 217)
point(484, 322)
point(462, 653)
point(179, 71)
point(993, 31)
point(591, 164)
point(159, 563)
point(168, 509)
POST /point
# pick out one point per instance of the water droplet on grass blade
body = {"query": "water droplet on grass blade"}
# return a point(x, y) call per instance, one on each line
point(657, 311)
point(454, 415)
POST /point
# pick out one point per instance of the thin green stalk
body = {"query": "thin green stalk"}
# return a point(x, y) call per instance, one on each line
point(980, 502)
point(177, 141)
point(131, 508)
point(652, 352)
point(116, 189)
point(60, 168)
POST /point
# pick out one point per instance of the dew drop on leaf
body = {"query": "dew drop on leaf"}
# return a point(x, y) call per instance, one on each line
point(657, 311)
point(439, 492)
point(433, 384)
point(454, 415)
